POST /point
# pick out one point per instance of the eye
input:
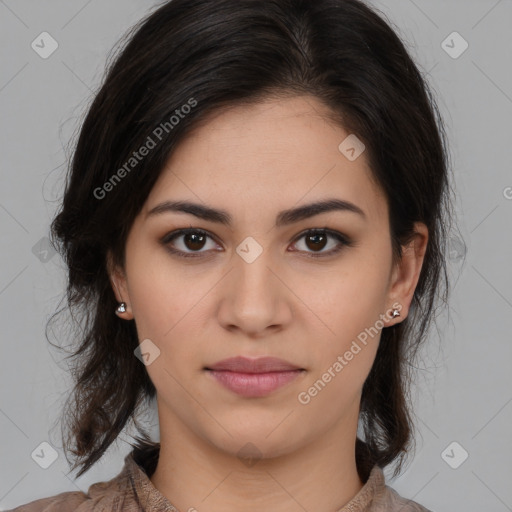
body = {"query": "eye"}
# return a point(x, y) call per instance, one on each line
point(317, 239)
point(194, 239)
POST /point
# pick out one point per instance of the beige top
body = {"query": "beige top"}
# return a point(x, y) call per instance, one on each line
point(132, 491)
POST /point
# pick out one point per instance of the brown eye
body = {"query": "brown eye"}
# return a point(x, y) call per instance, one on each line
point(317, 239)
point(194, 241)
point(189, 242)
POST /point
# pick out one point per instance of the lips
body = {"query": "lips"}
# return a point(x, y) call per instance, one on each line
point(253, 378)
point(259, 365)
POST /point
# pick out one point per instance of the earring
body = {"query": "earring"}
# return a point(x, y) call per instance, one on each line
point(395, 312)
point(121, 308)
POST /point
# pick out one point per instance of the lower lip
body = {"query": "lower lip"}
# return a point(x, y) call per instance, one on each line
point(254, 384)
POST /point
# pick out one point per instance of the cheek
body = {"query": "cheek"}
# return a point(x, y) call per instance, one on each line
point(161, 293)
point(347, 301)
point(346, 327)
point(168, 305)
point(335, 391)
point(344, 354)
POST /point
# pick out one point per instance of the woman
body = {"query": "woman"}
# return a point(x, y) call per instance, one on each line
point(255, 226)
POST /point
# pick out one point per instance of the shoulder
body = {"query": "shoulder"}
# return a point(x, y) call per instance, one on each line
point(382, 498)
point(101, 497)
point(129, 491)
point(64, 502)
point(389, 500)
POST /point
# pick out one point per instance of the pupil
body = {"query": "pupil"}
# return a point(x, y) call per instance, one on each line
point(193, 238)
point(315, 239)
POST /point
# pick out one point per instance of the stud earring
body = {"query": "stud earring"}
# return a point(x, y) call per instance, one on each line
point(395, 313)
point(121, 308)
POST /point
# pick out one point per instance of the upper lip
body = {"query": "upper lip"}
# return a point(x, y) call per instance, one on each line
point(258, 365)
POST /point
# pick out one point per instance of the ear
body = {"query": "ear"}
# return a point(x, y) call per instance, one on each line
point(407, 271)
point(119, 286)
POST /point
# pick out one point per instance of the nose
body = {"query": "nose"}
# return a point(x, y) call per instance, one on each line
point(254, 298)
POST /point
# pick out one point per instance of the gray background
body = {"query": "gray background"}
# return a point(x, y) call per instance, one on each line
point(463, 388)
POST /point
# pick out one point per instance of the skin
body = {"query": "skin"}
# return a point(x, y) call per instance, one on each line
point(253, 162)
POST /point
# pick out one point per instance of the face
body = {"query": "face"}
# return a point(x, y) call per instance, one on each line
point(260, 283)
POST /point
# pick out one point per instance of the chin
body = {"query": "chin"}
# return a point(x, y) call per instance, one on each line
point(256, 443)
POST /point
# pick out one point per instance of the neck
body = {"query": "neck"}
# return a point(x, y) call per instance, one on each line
point(195, 475)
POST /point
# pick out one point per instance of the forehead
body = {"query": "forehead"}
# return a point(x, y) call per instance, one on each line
point(270, 155)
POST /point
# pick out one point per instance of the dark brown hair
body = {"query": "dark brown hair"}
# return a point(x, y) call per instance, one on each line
point(210, 55)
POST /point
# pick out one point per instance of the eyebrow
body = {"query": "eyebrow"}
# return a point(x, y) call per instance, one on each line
point(284, 217)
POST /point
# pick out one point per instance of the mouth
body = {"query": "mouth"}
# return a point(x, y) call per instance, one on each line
point(254, 377)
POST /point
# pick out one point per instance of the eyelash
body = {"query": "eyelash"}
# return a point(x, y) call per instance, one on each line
point(344, 241)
